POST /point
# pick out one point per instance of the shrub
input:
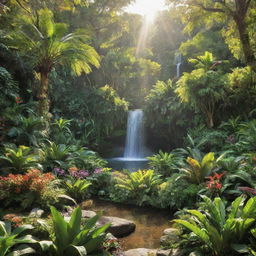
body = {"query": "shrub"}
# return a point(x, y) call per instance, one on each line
point(139, 184)
point(196, 171)
point(19, 159)
point(72, 239)
point(164, 163)
point(11, 238)
point(28, 189)
point(223, 231)
point(175, 195)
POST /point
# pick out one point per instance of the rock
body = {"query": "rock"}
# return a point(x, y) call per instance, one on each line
point(177, 252)
point(87, 204)
point(119, 227)
point(36, 212)
point(170, 235)
point(141, 252)
point(171, 231)
point(88, 214)
point(161, 252)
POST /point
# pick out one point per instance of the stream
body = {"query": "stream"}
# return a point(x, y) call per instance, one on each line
point(150, 223)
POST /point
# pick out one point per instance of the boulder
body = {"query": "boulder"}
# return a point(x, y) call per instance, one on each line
point(161, 252)
point(170, 235)
point(88, 214)
point(141, 252)
point(119, 227)
point(36, 212)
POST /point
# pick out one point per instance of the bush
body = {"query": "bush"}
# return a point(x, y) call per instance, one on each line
point(27, 190)
point(175, 195)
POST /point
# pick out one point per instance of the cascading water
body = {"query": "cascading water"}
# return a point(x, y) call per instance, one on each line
point(135, 150)
point(134, 146)
point(178, 62)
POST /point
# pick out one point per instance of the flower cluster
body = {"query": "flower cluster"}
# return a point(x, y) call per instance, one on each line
point(18, 100)
point(213, 182)
point(13, 218)
point(34, 180)
point(98, 171)
point(59, 172)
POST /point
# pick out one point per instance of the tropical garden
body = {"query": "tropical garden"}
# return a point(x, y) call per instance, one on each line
point(70, 73)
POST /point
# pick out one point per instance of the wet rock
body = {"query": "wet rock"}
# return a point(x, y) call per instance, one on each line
point(164, 252)
point(119, 227)
point(141, 252)
point(170, 235)
point(87, 204)
point(88, 214)
point(36, 212)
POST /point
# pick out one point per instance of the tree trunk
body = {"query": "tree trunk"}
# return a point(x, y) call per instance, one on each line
point(43, 101)
point(240, 21)
point(209, 120)
point(239, 16)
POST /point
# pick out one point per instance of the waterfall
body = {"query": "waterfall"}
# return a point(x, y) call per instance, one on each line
point(178, 62)
point(134, 146)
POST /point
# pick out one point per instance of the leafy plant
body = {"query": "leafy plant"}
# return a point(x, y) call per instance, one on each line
point(223, 231)
point(11, 238)
point(28, 130)
point(139, 183)
point(86, 159)
point(197, 171)
point(19, 159)
point(77, 189)
point(55, 154)
point(164, 163)
point(72, 239)
point(61, 132)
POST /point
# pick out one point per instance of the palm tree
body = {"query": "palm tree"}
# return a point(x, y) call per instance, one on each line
point(48, 44)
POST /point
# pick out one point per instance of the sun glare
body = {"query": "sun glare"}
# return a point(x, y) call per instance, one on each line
point(147, 8)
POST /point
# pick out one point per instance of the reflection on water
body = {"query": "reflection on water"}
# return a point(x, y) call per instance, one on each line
point(150, 223)
point(120, 163)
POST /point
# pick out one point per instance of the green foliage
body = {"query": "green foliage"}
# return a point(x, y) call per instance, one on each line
point(60, 132)
point(54, 154)
point(72, 239)
point(164, 163)
point(203, 62)
point(241, 78)
point(77, 188)
point(10, 238)
point(8, 89)
point(203, 88)
point(210, 40)
point(86, 159)
point(19, 159)
point(196, 171)
point(221, 230)
point(139, 184)
point(175, 194)
point(28, 130)
point(165, 115)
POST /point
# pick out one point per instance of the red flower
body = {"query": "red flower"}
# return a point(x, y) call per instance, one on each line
point(214, 181)
point(18, 100)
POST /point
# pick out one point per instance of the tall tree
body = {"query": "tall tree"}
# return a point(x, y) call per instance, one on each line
point(198, 13)
point(47, 44)
point(204, 87)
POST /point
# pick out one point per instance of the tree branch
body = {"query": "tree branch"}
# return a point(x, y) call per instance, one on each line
point(208, 9)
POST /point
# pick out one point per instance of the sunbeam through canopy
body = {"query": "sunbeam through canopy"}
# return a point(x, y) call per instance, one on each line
point(147, 8)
